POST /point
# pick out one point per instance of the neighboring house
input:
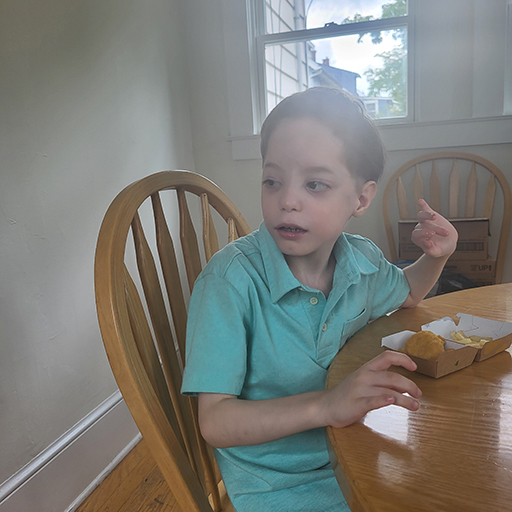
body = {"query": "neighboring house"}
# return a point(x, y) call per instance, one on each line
point(329, 76)
point(326, 75)
point(377, 106)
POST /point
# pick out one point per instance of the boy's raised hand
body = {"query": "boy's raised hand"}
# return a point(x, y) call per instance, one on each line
point(435, 235)
point(372, 387)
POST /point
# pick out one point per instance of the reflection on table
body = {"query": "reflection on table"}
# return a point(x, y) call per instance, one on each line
point(455, 453)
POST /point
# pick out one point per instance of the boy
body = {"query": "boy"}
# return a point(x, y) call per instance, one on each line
point(271, 310)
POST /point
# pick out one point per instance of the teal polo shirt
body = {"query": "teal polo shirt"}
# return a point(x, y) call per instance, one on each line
point(256, 332)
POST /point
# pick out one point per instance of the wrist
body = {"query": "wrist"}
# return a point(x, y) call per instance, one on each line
point(323, 409)
point(437, 260)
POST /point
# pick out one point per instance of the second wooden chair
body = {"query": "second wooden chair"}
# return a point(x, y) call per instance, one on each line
point(457, 185)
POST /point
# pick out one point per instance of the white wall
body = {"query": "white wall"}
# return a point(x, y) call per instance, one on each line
point(93, 95)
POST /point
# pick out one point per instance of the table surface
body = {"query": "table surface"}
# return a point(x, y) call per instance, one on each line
point(455, 452)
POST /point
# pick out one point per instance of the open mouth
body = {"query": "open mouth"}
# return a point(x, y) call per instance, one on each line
point(291, 229)
point(291, 232)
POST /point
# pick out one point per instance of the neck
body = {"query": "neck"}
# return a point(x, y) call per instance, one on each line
point(313, 273)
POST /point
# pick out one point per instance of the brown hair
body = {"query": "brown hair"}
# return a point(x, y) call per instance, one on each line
point(345, 115)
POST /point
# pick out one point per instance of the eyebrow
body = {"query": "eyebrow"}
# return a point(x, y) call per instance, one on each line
point(320, 169)
point(316, 169)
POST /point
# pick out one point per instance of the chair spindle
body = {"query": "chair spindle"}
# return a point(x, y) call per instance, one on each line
point(210, 240)
point(170, 271)
point(188, 240)
point(490, 193)
point(232, 231)
point(435, 189)
point(418, 188)
point(402, 200)
point(453, 203)
point(471, 188)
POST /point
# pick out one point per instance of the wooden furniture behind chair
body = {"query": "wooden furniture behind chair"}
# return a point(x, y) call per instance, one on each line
point(457, 185)
point(143, 327)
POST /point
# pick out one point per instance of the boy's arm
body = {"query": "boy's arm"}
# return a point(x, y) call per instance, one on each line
point(438, 239)
point(227, 421)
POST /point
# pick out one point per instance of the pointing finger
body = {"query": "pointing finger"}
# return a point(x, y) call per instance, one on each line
point(425, 206)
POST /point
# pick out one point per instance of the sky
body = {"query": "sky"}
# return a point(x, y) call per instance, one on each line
point(345, 52)
point(319, 10)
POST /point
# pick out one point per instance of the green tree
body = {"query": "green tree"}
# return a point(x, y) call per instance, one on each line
point(391, 77)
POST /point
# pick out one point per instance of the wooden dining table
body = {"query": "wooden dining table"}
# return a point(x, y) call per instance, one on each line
point(454, 453)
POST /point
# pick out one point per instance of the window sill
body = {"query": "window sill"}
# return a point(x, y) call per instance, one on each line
point(411, 136)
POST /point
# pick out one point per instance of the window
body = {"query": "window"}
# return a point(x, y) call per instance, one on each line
point(306, 43)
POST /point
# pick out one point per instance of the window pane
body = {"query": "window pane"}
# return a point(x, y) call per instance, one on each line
point(371, 66)
point(285, 71)
point(284, 15)
point(320, 12)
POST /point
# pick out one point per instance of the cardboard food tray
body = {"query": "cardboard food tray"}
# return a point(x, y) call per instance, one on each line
point(462, 356)
point(448, 362)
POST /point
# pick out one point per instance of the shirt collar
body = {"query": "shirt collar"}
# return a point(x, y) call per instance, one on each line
point(279, 276)
point(350, 264)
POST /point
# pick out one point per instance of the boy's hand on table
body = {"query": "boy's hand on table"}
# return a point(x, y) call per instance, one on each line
point(371, 387)
point(435, 235)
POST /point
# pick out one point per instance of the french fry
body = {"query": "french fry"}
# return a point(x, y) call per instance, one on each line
point(471, 341)
point(482, 338)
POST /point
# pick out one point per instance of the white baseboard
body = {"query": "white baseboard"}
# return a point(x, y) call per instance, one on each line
point(66, 472)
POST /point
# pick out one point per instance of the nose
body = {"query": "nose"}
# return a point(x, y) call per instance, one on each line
point(290, 199)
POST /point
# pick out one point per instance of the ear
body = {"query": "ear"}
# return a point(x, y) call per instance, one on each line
point(368, 191)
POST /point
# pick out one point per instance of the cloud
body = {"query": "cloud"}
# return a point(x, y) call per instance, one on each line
point(321, 12)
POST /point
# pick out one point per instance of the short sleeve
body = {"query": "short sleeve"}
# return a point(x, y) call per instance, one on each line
point(391, 287)
point(216, 348)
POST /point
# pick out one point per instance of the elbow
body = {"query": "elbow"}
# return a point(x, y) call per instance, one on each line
point(411, 302)
point(210, 434)
point(213, 438)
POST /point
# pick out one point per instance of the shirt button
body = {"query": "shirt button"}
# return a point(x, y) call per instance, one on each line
point(313, 301)
point(324, 327)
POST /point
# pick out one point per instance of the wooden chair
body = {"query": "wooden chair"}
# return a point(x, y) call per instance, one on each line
point(453, 180)
point(144, 332)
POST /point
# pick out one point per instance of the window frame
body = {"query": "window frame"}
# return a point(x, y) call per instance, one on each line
point(258, 39)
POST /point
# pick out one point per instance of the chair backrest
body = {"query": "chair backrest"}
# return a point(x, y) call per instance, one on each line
point(143, 327)
point(453, 182)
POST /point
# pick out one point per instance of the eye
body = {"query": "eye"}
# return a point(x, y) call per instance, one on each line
point(269, 182)
point(317, 186)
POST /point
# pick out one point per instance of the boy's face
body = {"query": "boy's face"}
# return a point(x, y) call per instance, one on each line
point(308, 194)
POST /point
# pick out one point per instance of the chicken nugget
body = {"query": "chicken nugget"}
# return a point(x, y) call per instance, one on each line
point(425, 344)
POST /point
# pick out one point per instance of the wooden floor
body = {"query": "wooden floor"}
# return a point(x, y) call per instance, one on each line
point(135, 485)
